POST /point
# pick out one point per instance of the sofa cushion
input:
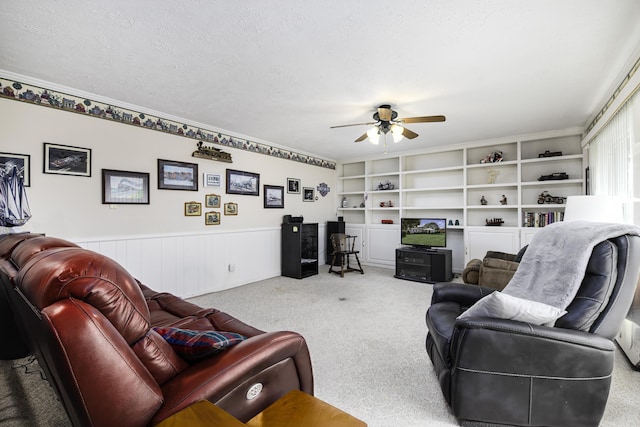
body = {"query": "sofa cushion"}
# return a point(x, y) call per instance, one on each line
point(194, 345)
point(502, 306)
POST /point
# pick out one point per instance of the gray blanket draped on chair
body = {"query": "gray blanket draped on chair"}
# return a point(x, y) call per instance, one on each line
point(554, 264)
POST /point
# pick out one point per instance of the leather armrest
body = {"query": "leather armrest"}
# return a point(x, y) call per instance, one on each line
point(218, 377)
point(461, 293)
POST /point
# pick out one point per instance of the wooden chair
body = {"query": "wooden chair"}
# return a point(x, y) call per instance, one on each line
point(343, 248)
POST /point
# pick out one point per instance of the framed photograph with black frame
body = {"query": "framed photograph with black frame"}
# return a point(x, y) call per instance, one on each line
point(239, 182)
point(177, 175)
point(274, 196)
point(293, 185)
point(21, 161)
point(67, 160)
point(123, 187)
point(308, 194)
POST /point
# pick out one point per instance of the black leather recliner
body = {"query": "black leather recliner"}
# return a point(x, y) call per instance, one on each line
point(503, 372)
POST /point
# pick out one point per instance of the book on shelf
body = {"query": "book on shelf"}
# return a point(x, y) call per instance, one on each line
point(540, 219)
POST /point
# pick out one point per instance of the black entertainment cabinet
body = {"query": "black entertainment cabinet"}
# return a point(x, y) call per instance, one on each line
point(423, 265)
point(299, 257)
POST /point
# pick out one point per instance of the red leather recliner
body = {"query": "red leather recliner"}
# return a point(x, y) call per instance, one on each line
point(90, 323)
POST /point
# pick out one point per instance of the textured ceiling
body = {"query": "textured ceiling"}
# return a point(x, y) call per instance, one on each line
point(283, 72)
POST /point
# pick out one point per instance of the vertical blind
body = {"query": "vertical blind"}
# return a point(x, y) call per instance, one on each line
point(611, 158)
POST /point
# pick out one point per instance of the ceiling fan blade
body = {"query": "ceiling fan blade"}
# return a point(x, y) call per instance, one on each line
point(409, 134)
point(423, 119)
point(353, 124)
point(362, 138)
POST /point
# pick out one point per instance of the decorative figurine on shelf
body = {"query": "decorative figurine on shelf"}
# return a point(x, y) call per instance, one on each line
point(545, 197)
point(503, 200)
point(450, 222)
point(548, 153)
point(457, 222)
point(362, 205)
point(494, 222)
point(387, 185)
point(483, 201)
point(388, 204)
point(493, 175)
point(494, 157)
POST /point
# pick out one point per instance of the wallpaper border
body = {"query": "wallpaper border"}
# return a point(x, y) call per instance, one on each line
point(12, 89)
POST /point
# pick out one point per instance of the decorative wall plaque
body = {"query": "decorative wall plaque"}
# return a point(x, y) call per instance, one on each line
point(211, 153)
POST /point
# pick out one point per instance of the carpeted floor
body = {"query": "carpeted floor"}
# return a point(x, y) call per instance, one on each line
point(366, 337)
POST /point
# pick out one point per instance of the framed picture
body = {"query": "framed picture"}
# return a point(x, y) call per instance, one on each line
point(123, 187)
point(211, 179)
point(192, 209)
point(211, 201)
point(67, 160)
point(246, 183)
point(212, 218)
point(21, 161)
point(177, 175)
point(308, 194)
point(273, 196)
point(231, 208)
point(293, 185)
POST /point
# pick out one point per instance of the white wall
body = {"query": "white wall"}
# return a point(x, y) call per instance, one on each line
point(144, 237)
point(71, 206)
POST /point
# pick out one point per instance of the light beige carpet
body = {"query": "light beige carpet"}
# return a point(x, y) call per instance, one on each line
point(366, 336)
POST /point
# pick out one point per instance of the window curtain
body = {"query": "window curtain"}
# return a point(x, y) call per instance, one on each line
point(611, 158)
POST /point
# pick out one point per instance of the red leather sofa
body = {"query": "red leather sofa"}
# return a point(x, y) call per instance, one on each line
point(90, 325)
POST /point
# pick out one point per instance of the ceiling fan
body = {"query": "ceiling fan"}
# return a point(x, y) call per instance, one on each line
point(386, 120)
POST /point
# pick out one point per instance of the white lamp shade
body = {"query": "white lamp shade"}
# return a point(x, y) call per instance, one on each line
point(374, 135)
point(594, 208)
point(396, 132)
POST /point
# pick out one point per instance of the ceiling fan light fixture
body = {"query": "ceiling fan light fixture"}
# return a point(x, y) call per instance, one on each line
point(396, 132)
point(374, 135)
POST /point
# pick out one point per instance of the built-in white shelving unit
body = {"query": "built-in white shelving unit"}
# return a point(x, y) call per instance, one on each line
point(450, 183)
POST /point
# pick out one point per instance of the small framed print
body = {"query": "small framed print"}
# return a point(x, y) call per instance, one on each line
point(212, 218)
point(192, 209)
point(177, 175)
point(212, 180)
point(308, 194)
point(67, 160)
point(231, 208)
point(211, 201)
point(293, 185)
point(274, 196)
point(21, 161)
point(124, 187)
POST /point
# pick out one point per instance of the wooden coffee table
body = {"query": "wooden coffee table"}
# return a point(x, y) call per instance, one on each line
point(296, 408)
point(300, 409)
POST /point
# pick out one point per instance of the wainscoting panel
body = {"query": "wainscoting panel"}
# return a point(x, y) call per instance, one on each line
point(194, 264)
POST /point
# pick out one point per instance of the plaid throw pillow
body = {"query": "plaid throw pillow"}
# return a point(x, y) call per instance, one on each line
point(195, 345)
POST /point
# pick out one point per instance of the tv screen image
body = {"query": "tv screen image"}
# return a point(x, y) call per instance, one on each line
point(424, 232)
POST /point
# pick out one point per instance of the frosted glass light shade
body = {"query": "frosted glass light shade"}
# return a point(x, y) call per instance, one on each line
point(594, 208)
point(396, 132)
point(374, 135)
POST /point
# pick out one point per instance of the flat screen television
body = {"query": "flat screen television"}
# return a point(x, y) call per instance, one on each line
point(423, 232)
